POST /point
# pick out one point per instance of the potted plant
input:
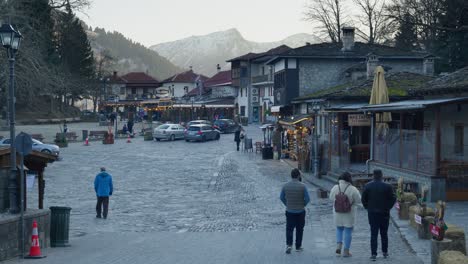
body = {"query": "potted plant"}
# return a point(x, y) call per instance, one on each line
point(61, 140)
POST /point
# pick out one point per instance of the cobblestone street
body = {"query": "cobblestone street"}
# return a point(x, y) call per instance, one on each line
point(179, 202)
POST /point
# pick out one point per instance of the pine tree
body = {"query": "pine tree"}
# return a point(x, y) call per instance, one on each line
point(452, 39)
point(407, 38)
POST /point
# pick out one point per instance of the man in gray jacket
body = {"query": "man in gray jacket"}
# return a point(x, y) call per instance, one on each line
point(295, 196)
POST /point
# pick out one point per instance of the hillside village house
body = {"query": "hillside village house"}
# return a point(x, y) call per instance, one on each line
point(179, 85)
point(254, 80)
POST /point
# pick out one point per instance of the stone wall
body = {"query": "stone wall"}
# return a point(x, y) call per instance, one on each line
point(10, 232)
point(318, 74)
point(436, 185)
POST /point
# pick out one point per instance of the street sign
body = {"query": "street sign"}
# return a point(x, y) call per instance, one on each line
point(417, 219)
point(23, 143)
point(358, 120)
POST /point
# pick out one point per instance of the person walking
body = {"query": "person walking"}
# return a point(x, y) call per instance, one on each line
point(237, 136)
point(295, 197)
point(378, 198)
point(103, 188)
point(277, 142)
point(345, 198)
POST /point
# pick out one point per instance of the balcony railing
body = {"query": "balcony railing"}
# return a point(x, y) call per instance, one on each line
point(261, 79)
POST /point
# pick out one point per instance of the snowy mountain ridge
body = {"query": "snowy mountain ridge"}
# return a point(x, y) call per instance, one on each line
point(203, 53)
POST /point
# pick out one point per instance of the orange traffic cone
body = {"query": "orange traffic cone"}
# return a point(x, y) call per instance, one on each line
point(128, 139)
point(35, 250)
point(86, 143)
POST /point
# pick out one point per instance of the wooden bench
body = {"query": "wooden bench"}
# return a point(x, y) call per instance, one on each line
point(70, 136)
point(39, 137)
point(96, 134)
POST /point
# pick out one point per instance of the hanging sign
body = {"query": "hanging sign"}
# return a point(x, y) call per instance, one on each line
point(358, 120)
point(418, 219)
point(435, 230)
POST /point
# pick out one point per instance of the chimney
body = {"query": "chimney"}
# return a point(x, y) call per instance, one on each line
point(372, 63)
point(307, 43)
point(218, 68)
point(114, 74)
point(428, 66)
point(191, 68)
point(347, 38)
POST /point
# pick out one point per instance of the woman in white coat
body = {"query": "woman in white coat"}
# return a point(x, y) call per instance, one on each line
point(345, 221)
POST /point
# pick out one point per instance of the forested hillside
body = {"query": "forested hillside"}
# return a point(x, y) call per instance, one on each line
point(128, 55)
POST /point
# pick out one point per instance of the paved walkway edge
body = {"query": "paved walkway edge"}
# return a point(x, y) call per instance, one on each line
point(327, 184)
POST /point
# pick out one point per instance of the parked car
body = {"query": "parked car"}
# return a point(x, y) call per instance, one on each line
point(168, 132)
point(198, 122)
point(226, 125)
point(37, 146)
point(202, 132)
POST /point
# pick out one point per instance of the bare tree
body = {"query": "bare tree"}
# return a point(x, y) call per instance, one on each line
point(329, 16)
point(372, 17)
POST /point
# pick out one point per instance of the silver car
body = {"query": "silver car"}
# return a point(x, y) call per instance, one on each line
point(168, 132)
point(37, 146)
point(201, 133)
point(198, 122)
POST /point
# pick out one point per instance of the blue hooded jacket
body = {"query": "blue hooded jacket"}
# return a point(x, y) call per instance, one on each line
point(103, 184)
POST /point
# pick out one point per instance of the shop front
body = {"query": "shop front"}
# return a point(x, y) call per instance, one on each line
point(296, 140)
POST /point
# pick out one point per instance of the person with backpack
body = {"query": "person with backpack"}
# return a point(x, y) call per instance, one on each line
point(378, 198)
point(345, 199)
point(295, 197)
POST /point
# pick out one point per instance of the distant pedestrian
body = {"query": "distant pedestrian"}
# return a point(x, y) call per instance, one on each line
point(378, 198)
point(65, 127)
point(103, 188)
point(124, 129)
point(130, 126)
point(346, 198)
point(237, 136)
point(295, 196)
point(277, 142)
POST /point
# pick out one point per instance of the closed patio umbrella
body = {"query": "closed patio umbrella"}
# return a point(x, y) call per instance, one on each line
point(379, 95)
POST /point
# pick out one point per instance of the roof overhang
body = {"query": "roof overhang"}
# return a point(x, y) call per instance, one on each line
point(346, 108)
point(411, 105)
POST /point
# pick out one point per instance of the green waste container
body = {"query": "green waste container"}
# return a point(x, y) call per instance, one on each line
point(59, 226)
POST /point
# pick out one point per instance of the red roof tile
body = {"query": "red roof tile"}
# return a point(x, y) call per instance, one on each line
point(185, 77)
point(222, 77)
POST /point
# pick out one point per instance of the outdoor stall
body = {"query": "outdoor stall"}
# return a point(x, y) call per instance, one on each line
point(296, 139)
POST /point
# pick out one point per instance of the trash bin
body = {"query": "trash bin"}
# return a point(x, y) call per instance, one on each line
point(59, 226)
point(85, 134)
point(267, 152)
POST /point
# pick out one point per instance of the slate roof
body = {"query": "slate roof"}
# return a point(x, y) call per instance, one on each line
point(400, 84)
point(450, 83)
point(360, 50)
point(271, 52)
point(185, 77)
point(220, 78)
point(139, 77)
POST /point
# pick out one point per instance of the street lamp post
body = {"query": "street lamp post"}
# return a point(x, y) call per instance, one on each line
point(102, 96)
point(11, 40)
point(316, 137)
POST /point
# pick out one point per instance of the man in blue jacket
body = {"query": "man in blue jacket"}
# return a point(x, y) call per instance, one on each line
point(295, 196)
point(103, 188)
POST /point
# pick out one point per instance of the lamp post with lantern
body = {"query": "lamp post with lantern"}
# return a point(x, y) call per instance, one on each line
point(11, 40)
point(315, 137)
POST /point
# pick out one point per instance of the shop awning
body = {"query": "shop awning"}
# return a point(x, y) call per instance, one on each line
point(276, 108)
point(292, 120)
point(411, 105)
point(346, 108)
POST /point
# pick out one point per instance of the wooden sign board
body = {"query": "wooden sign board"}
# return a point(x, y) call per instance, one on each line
point(358, 120)
point(418, 219)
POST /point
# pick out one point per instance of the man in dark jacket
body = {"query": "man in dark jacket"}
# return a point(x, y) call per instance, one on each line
point(378, 198)
point(295, 196)
point(237, 136)
point(103, 188)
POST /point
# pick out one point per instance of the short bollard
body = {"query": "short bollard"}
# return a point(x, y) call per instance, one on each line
point(59, 226)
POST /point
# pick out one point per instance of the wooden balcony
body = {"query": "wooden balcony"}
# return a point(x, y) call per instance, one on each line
point(261, 79)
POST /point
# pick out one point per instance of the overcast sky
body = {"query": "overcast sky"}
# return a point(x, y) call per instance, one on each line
point(154, 21)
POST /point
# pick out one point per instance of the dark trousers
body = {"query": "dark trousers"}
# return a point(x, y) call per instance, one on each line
point(379, 223)
point(295, 220)
point(237, 143)
point(102, 206)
